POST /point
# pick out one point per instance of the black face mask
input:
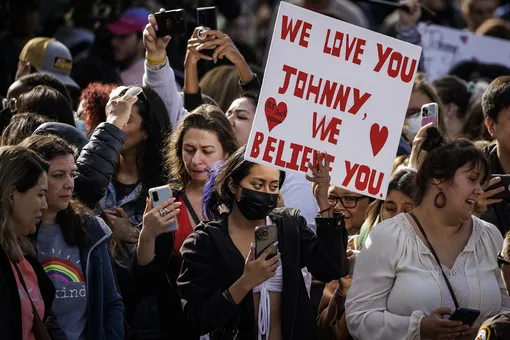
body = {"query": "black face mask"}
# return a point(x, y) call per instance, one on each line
point(256, 205)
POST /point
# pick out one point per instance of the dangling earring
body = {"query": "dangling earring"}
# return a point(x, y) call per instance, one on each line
point(440, 200)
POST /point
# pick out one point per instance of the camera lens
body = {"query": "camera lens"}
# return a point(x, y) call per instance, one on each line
point(155, 196)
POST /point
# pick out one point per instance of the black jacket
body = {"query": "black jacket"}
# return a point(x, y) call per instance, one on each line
point(10, 306)
point(212, 263)
point(156, 287)
point(497, 214)
point(97, 163)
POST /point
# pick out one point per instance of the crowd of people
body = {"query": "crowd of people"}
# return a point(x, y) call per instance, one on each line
point(98, 109)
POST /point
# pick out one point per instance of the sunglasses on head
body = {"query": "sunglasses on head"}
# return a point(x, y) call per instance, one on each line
point(137, 91)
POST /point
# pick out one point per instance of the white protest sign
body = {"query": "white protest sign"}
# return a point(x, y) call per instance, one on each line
point(337, 88)
point(444, 47)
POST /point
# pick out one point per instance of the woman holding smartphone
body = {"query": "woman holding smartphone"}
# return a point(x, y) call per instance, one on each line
point(417, 267)
point(226, 289)
point(200, 140)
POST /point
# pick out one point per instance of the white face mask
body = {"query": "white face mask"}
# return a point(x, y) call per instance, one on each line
point(411, 126)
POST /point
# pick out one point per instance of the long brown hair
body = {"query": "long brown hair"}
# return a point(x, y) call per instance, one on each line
point(205, 117)
point(72, 219)
point(20, 169)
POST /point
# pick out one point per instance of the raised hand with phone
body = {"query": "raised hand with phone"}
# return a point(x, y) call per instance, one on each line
point(156, 220)
point(155, 44)
point(207, 43)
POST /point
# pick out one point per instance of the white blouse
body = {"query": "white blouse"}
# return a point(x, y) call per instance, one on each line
point(397, 281)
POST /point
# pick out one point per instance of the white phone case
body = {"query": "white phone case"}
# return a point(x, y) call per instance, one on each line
point(163, 194)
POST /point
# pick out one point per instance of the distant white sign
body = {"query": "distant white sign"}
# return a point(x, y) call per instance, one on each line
point(444, 47)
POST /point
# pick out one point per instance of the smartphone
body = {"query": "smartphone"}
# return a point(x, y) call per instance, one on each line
point(353, 262)
point(171, 22)
point(265, 236)
point(159, 195)
point(429, 114)
point(466, 315)
point(505, 181)
point(206, 17)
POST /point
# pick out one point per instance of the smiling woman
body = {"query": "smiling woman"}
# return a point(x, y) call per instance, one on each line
point(421, 258)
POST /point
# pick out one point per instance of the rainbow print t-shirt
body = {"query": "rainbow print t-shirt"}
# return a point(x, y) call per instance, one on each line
point(63, 265)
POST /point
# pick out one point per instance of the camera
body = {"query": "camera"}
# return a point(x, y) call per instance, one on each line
point(171, 22)
point(262, 235)
point(155, 196)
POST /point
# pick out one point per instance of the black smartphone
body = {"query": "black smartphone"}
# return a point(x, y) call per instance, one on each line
point(265, 237)
point(466, 315)
point(206, 17)
point(171, 22)
point(505, 181)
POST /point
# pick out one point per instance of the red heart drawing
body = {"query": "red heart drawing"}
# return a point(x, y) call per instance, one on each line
point(464, 38)
point(275, 114)
point(378, 137)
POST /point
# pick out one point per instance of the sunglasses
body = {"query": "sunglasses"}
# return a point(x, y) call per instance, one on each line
point(136, 91)
point(502, 261)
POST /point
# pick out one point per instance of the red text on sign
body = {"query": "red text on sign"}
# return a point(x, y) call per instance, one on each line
point(272, 151)
point(329, 132)
point(364, 178)
point(326, 92)
point(293, 28)
point(397, 66)
point(344, 46)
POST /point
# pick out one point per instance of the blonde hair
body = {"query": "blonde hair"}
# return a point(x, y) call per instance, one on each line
point(222, 85)
point(20, 170)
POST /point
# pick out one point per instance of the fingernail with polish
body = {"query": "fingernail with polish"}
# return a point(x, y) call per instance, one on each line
point(156, 27)
point(276, 243)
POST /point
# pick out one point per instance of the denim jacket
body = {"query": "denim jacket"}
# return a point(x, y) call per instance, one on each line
point(128, 203)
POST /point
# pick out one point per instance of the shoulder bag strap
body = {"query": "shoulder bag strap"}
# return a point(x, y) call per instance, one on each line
point(190, 208)
point(20, 276)
point(39, 329)
point(437, 259)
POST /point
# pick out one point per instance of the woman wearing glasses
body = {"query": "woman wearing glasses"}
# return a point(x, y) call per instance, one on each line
point(352, 205)
point(417, 268)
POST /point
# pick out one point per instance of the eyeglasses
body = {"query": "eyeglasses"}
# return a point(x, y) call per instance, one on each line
point(502, 261)
point(349, 202)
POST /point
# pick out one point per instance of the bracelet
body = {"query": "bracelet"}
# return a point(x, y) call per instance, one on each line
point(156, 61)
point(230, 298)
point(325, 210)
